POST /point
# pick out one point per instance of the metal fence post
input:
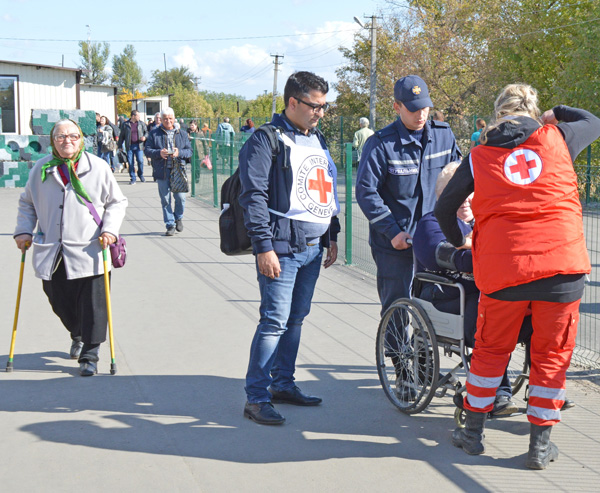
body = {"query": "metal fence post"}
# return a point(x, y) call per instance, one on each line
point(195, 170)
point(215, 180)
point(341, 139)
point(588, 175)
point(348, 228)
point(231, 143)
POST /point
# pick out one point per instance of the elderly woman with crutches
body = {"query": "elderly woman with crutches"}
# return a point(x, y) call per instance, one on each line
point(529, 255)
point(68, 243)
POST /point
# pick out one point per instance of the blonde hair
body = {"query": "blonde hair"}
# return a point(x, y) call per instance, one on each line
point(514, 100)
point(444, 177)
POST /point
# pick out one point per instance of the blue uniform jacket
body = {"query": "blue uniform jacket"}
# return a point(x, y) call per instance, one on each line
point(265, 187)
point(395, 184)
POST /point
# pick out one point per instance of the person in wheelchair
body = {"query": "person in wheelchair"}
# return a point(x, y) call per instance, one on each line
point(434, 254)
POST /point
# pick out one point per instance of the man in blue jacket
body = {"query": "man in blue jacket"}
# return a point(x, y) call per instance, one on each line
point(395, 184)
point(165, 146)
point(290, 201)
point(133, 134)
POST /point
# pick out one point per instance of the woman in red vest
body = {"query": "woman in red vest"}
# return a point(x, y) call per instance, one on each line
point(529, 252)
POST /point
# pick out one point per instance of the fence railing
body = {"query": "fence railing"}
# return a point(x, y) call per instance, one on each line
point(353, 245)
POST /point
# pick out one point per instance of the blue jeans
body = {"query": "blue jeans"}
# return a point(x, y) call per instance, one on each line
point(164, 190)
point(134, 150)
point(107, 156)
point(285, 301)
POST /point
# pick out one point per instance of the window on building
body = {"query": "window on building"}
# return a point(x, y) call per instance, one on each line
point(152, 107)
point(8, 103)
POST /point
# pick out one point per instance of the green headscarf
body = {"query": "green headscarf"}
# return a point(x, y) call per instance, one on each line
point(57, 160)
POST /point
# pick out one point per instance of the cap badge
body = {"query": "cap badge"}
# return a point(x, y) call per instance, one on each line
point(416, 90)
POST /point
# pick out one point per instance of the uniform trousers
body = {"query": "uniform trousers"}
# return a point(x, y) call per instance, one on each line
point(552, 344)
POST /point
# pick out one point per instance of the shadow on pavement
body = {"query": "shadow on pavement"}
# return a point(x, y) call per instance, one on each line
point(201, 416)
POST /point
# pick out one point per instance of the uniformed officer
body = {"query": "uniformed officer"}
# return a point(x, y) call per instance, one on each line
point(396, 179)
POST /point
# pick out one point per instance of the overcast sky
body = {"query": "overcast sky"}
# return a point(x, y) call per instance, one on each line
point(306, 32)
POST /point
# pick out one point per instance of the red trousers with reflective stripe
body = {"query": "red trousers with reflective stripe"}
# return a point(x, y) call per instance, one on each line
point(552, 343)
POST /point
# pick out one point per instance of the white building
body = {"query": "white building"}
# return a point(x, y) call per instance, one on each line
point(149, 106)
point(26, 86)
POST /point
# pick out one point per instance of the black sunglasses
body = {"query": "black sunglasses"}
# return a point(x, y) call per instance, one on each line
point(315, 107)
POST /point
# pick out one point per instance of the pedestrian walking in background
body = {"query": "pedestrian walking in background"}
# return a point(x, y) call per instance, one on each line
point(480, 124)
point(361, 136)
point(106, 140)
point(133, 136)
point(249, 128)
point(155, 123)
point(167, 147)
point(224, 139)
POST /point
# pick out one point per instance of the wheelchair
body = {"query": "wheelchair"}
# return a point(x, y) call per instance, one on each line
point(411, 334)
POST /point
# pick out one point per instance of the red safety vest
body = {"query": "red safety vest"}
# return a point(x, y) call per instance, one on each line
point(528, 220)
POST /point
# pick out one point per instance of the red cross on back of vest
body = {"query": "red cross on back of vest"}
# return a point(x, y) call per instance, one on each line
point(523, 166)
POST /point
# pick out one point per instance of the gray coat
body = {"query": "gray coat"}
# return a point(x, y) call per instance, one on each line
point(64, 222)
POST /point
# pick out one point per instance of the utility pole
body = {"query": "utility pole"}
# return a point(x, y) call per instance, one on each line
point(89, 50)
point(276, 62)
point(373, 98)
point(373, 88)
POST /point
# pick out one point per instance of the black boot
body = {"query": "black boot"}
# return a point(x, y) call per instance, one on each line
point(471, 437)
point(541, 450)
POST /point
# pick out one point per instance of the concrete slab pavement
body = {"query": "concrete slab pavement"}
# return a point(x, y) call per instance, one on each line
point(171, 419)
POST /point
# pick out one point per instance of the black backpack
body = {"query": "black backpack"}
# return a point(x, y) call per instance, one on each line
point(233, 232)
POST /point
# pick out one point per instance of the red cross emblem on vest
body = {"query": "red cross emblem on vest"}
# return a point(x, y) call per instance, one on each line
point(321, 185)
point(523, 166)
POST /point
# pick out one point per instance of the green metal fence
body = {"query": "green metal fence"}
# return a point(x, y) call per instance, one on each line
point(353, 244)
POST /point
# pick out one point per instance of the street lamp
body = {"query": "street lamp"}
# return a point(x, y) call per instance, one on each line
point(373, 91)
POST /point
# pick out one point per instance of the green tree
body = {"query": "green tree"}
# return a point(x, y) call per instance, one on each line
point(127, 74)
point(231, 105)
point(552, 45)
point(93, 61)
point(467, 51)
point(262, 106)
point(164, 82)
point(187, 103)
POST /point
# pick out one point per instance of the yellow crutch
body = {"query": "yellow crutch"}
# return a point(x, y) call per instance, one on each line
point(9, 365)
point(113, 364)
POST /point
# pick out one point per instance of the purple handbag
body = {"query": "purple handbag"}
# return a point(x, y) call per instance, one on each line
point(118, 249)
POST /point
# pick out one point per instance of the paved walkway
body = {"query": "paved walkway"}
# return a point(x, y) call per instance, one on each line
point(171, 419)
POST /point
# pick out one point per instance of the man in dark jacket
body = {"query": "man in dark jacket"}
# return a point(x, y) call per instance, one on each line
point(166, 146)
point(395, 183)
point(133, 134)
point(290, 204)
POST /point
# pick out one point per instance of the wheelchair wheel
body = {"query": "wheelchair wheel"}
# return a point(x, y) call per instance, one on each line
point(518, 368)
point(407, 356)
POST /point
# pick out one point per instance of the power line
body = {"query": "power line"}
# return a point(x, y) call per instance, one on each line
point(199, 40)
